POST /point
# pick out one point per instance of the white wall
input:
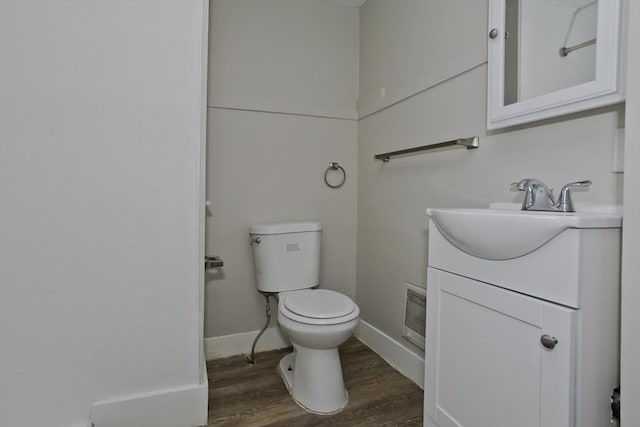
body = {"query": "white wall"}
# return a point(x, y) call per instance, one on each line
point(392, 197)
point(290, 56)
point(630, 342)
point(100, 138)
point(415, 52)
point(283, 86)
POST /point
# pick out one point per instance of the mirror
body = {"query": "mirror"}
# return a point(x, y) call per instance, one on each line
point(552, 57)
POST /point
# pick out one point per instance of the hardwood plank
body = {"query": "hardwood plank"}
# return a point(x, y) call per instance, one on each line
point(254, 395)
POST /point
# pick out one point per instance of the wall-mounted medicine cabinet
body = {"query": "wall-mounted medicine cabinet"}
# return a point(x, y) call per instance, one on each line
point(552, 57)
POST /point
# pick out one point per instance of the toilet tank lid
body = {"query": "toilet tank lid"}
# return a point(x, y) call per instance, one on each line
point(285, 227)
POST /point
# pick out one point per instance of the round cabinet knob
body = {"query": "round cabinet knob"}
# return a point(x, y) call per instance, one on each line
point(493, 33)
point(548, 341)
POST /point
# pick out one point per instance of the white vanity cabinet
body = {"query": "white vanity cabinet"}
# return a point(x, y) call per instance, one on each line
point(501, 354)
point(491, 369)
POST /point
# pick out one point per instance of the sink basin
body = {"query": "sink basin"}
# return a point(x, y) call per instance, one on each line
point(505, 233)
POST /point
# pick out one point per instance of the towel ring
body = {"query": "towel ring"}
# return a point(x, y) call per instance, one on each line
point(332, 167)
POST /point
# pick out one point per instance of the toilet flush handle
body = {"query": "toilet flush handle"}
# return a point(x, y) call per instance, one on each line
point(257, 241)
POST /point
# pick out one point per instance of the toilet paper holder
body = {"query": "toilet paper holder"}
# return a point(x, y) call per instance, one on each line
point(212, 261)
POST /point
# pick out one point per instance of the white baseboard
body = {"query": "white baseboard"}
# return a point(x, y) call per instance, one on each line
point(176, 407)
point(401, 358)
point(233, 345)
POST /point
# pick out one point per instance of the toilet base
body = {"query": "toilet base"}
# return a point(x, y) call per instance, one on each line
point(314, 380)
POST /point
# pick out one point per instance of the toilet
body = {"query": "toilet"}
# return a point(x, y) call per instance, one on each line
point(287, 264)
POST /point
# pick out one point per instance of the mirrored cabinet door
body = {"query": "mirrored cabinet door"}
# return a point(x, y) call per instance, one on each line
point(552, 57)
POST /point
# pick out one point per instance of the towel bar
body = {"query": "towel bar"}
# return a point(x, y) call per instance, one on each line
point(472, 142)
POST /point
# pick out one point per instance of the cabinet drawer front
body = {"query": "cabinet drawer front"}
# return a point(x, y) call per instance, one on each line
point(486, 364)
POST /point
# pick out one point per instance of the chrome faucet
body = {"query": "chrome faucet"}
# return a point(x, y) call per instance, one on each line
point(539, 197)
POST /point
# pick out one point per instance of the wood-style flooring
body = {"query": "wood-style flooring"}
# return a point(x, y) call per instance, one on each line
point(244, 395)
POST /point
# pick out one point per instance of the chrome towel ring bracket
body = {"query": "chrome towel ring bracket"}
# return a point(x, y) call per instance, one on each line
point(334, 166)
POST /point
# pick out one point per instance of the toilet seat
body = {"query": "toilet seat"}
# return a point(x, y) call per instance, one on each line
point(318, 307)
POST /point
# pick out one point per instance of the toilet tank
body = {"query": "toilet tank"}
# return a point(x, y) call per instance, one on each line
point(288, 255)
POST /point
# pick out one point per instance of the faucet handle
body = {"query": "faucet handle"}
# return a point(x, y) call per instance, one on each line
point(537, 197)
point(525, 185)
point(533, 183)
point(564, 200)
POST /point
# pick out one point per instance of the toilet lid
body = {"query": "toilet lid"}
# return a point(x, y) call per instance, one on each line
point(319, 304)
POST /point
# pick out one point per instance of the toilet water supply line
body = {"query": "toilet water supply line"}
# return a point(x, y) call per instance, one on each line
point(251, 359)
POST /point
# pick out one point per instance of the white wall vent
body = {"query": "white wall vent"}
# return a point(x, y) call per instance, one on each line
point(415, 310)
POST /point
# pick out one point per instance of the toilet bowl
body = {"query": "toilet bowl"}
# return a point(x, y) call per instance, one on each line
point(313, 372)
point(317, 321)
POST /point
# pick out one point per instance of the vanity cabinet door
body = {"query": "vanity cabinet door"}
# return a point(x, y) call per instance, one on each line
point(486, 365)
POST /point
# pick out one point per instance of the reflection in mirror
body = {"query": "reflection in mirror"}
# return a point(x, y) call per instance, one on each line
point(549, 46)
